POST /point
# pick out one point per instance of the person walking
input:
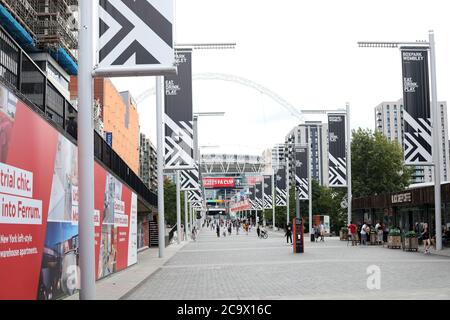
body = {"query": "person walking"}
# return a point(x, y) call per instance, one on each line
point(352, 233)
point(426, 239)
point(229, 229)
point(288, 234)
point(316, 232)
point(194, 233)
point(379, 227)
point(364, 234)
point(218, 230)
point(258, 231)
point(322, 232)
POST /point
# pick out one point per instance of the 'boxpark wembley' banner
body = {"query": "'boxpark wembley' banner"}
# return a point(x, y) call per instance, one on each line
point(337, 165)
point(301, 172)
point(416, 101)
point(39, 240)
point(178, 142)
point(280, 186)
point(268, 192)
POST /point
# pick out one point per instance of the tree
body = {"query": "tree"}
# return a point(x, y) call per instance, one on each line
point(377, 165)
point(170, 203)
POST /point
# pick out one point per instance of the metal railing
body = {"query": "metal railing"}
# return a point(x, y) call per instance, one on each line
point(24, 77)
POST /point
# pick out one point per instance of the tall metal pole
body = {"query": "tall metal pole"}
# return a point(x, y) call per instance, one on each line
point(274, 197)
point(86, 153)
point(437, 142)
point(288, 182)
point(263, 202)
point(190, 216)
point(178, 208)
point(349, 166)
point(309, 190)
point(297, 202)
point(160, 164)
point(186, 227)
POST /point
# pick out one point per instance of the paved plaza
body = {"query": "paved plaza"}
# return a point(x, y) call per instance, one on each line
point(245, 267)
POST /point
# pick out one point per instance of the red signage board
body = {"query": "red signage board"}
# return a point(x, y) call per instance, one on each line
point(39, 242)
point(216, 183)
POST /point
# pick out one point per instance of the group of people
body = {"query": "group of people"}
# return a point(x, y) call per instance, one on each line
point(364, 232)
point(319, 232)
point(226, 227)
point(422, 230)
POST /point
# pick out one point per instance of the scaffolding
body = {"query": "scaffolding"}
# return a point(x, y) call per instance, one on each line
point(23, 12)
point(51, 23)
point(56, 24)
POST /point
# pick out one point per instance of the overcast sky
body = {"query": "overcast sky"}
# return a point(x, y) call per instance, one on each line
point(306, 52)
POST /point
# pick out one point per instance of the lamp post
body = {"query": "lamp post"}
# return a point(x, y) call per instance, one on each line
point(436, 136)
point(197, 158)
point(348, 157)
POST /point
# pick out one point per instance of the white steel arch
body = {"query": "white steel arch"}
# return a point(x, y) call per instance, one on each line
point(240, 80)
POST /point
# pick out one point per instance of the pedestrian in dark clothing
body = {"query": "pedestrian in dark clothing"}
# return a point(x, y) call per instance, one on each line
point(288, 233)
point(218, 230)
point(258, 231)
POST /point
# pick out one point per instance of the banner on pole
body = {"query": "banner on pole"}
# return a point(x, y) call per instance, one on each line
point(268, 198)
point(135, 38)
point(178, 128)
point(190, 179)
point(258, 195)
point(416, 101)
point(337, 164)
point(301, 172)
point(280, 186)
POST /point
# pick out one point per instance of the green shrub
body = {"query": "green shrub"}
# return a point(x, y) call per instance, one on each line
point(410, 234)
point(394, 232)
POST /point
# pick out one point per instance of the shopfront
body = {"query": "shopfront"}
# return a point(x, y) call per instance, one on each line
point(407, 210)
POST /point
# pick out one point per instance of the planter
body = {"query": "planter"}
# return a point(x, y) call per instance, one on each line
point(343, 235)
point(394, 242)
point(411, 244)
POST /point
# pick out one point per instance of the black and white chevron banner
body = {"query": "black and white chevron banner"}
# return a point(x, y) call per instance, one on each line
point(195, 197)
point(268, 201)
point(268, 198)
point(416, 101)
point(280, 188)
point(136, 34)
point(337, 171)
point(190, 179)
point(281, 200)
point(417, 140)
point(337, 166)
point(179, 133)
point(302, 187)
point(301, 172)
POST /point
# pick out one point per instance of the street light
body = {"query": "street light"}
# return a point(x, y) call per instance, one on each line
point(345, 111)
point(436, 136)
point(197, 159)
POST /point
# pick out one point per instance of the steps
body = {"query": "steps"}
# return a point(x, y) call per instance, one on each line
point(153, 233)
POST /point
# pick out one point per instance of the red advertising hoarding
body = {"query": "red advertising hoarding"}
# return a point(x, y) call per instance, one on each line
point(217, 183)
point(39, 210)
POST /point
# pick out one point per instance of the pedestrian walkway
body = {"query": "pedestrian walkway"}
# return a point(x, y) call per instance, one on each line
point(118, 284)
point(245, 267)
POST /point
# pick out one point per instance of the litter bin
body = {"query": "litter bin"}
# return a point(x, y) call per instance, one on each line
point(298, 235)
